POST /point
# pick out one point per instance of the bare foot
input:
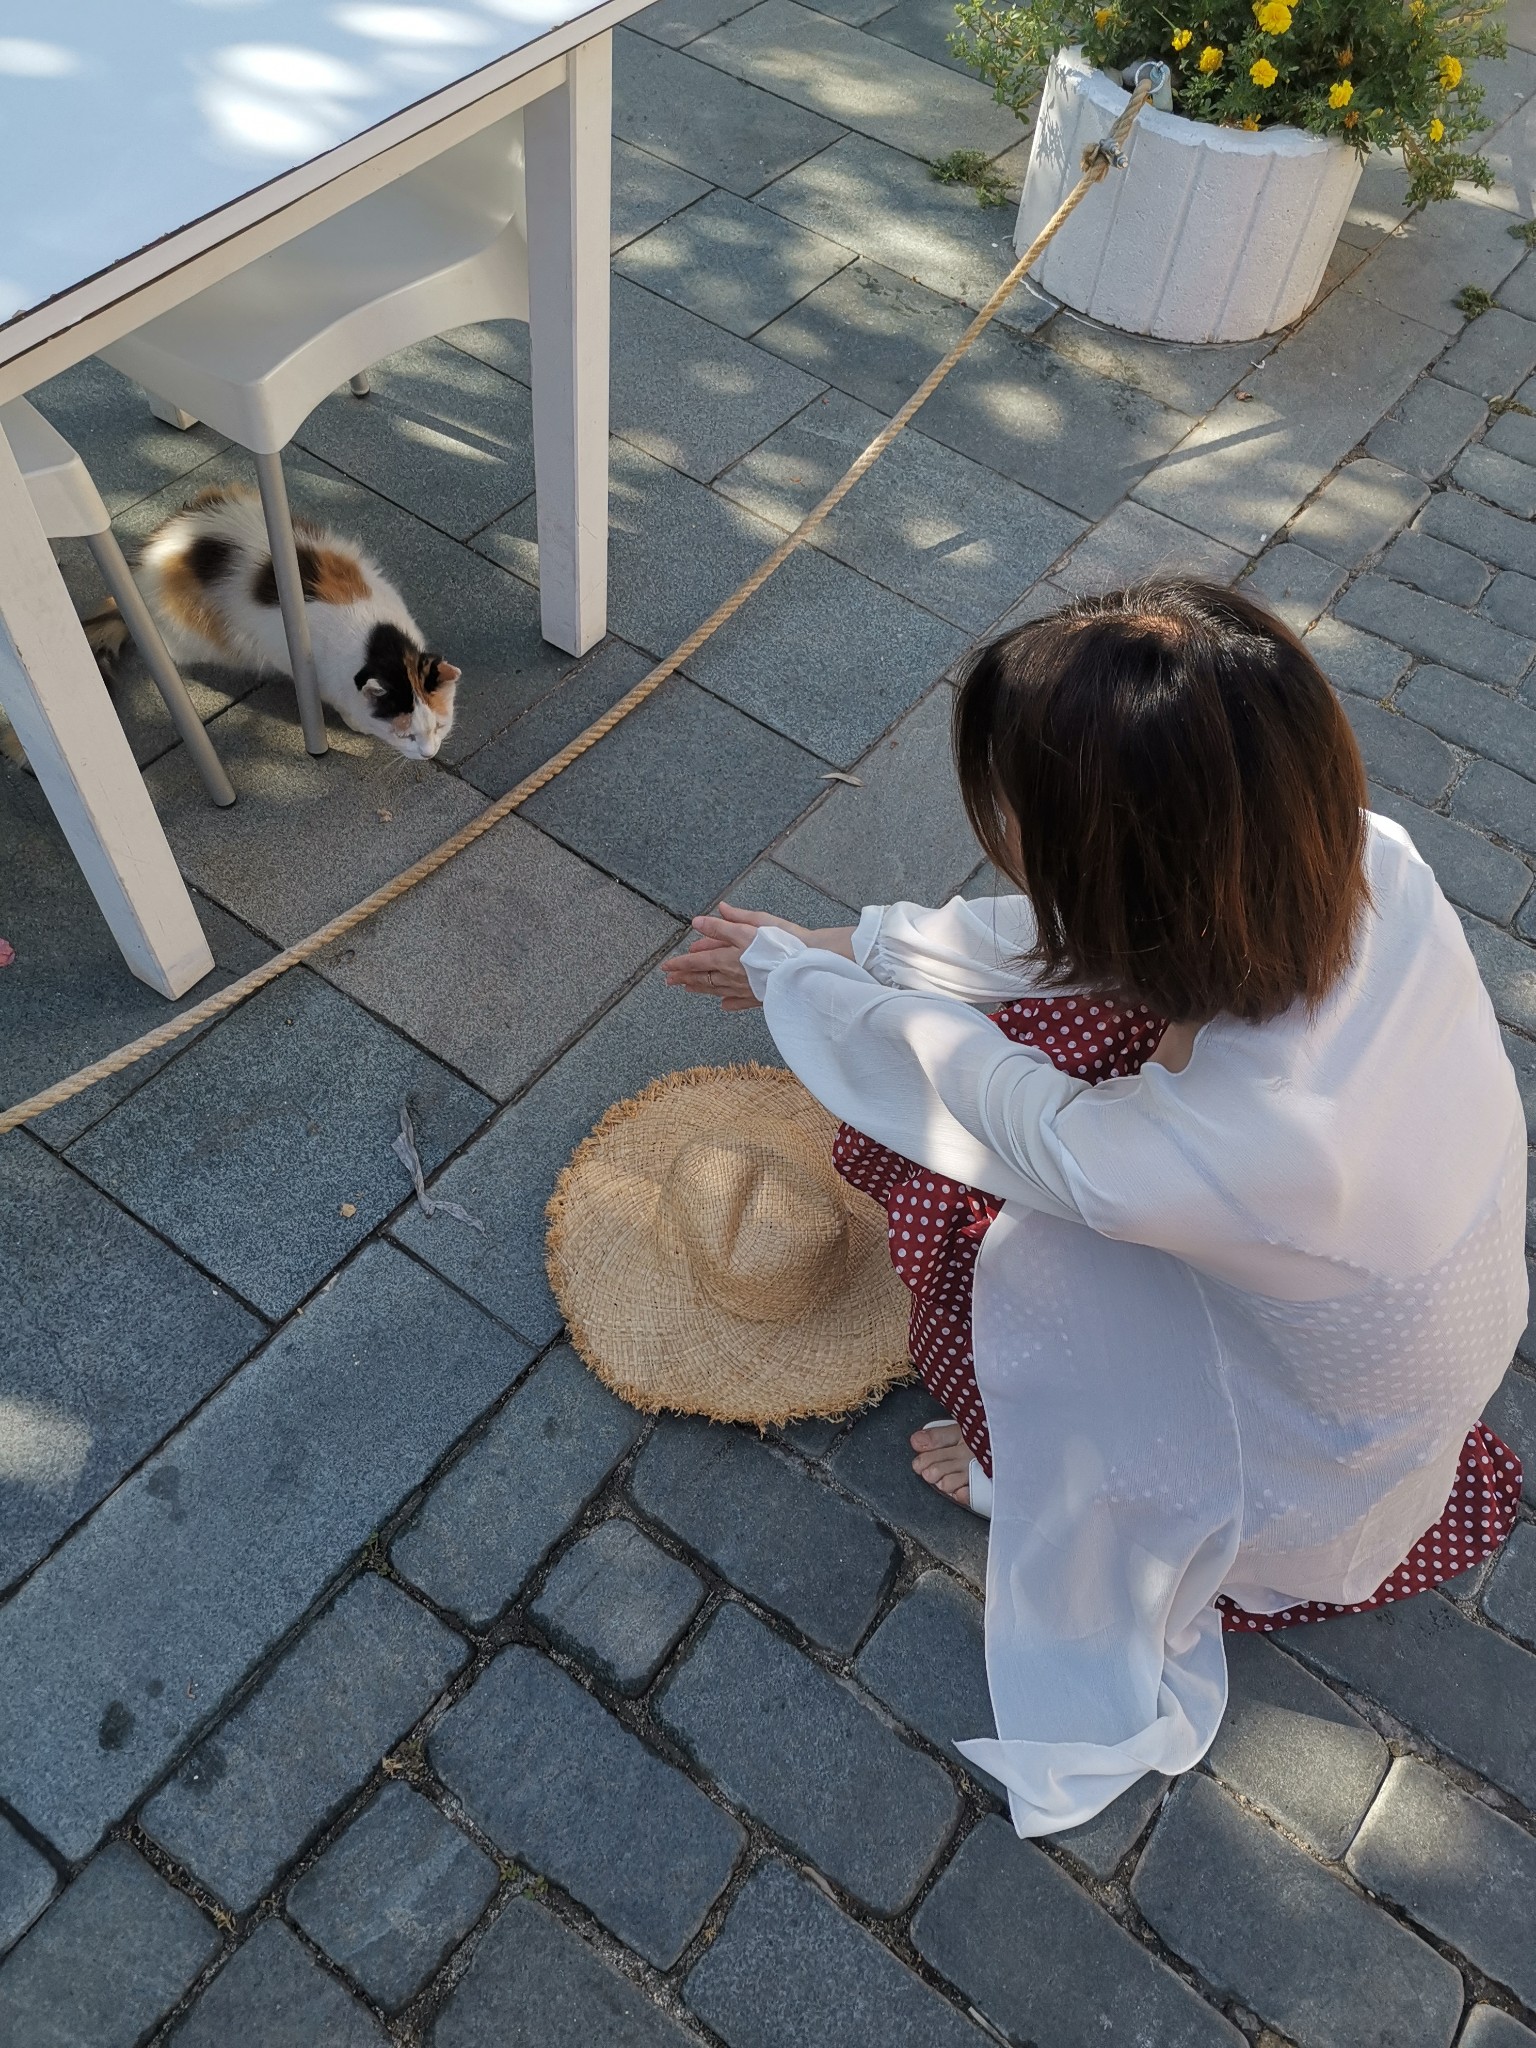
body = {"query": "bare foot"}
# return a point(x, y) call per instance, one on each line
point(944, 1460)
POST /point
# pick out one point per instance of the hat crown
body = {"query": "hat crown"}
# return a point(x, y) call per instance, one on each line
point(760, 1222)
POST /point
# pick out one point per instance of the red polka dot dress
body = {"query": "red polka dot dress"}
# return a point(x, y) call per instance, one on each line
point(935, 1232)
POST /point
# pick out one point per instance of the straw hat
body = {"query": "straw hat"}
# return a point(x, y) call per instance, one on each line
point(709, 1258)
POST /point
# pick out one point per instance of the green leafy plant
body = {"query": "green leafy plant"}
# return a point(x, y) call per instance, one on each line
point(972, 167)
point(1378, 74)
point(1525, 231)
point(1474, 301)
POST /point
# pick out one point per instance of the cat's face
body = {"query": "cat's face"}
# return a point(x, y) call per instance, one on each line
point(407, 694)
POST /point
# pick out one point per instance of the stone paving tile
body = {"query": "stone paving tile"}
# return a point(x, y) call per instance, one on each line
point(1437, 631)
point(767, 886)
point(860, 842)
point(677, 22)
point(827, 658)
point(1482, 530)
point(1490, 2028)
point(605, 675)
point(1459, 1685)
point(922, 26)
point(1426, 431)
point(252, 1793)
point(1357, 511)
point(1498, 478)
point(647, 191)
point(109, 1960)
point(1508, 970)
point(272, 1994)
point(619, 1604)
point(1493, 797)
point(1480, 877)
point(1103, 1843)
point(581, 1431)
point(786, 1961)
point(1042, 1962)
point(94, 1376)
point(393, 1895)
point(927, 1663)
point(1458, 1869)
point(732, 262)
point(533, 1984)
point(734, 135)
point(461, 964)
point(927, 522)
point(107, 420)
point(887, 205)
point(632, 804)
point(1246, 468)
point(1399, 752)
point(879, 90)
point(1190, 379)
point(1511, 1415)
point(589, 1806)
point(803, 1754)
point(115, 1652)
point(768, 1527)
point(1435, 568)
point(1294, 584)
point(1522, 1055)
point(442, 435)
point(1433, 256)
point(870, 332)
point(27, 1883)
point(1509, 1598)
point(1289, 1745)
point(1495, 354)
point(1511, 602)
point(247, 1149)
point(1265, 1924)
point(1379, 206)
point(874, 1461)
point(1513, 433)
point(1134, 543)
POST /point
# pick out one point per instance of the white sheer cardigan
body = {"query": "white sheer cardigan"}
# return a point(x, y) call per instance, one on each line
point(1232, 1325)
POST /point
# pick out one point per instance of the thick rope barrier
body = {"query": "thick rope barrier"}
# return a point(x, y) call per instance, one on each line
point(1098, 161)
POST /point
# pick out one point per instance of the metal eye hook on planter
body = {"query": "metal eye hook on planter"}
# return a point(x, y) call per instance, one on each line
point(1156, 74)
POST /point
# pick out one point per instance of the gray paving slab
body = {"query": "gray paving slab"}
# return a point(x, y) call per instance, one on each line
point(1102, 1844)
point(442, 435)
point(394, 1895)
point(861, 844)
point(249, 1150)
point(118, 1649)
point(1042, 1962)
point(1449, 1680)
point(461, 964)
point(27, 1884)
point(1290, 1746)
point(787, 1961)
point(1513, 433)
point(802, 1753)
point(589, 1806)
point(1511, 1414)
point(879, 90)
point(677, 22)
point(869, 332)
point(1522, 1055)
point(618, 1603)
point(1248, 466)
point(1190, 379)
point(1506, 542)
point(534, 1984)
point(1487, 2027)
point(1492, 796)
point(874, 1461)
point(1494, 355)
point(922, 26)
point(776, 1533)
point(945, 531)
point(1509, 1596)
point(94, 1375)
point(1135, 543)
point(273, 1994)
point(647, 191)
point(1498, 478)
point(767, 886)
point(1437, 631)
point(107, 1962)
point(732, 262)
point(1437, 568)
point(733, 135)
point(1511, 602)
point(927, 1663)
point(1356, 661)
point(582, 1432)
point(1293, 583)
point(1460, 1871)
point(600, 680)
point(826, 657)
point(887, 205)
point(268, 1778)
point(1481, 877)
point(1485, 721)
point(1508, 969)
point(1263, 1923)
point(107, 420)
point(1433, 256)
point(1379, 206)
point(1427, 429)
point(1399, 752)
point(632, 805)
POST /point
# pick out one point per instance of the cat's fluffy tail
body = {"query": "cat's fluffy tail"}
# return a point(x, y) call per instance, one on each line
point(107, 636)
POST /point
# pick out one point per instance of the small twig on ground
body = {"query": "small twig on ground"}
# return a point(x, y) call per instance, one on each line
point(972, 167)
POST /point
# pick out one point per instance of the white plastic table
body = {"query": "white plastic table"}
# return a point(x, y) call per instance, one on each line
point(150, 147)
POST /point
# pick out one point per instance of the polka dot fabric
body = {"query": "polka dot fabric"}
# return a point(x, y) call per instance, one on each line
point(935, 1231)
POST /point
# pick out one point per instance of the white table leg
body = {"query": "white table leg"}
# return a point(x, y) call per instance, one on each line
point(52, 692)
point(566, 136)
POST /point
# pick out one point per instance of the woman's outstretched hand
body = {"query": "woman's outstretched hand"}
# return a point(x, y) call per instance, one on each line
point(711, 964)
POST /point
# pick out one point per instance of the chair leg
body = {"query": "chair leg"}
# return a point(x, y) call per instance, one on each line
point(118, 578)
point(361, 384)
point(290, 597)
point(173, 415)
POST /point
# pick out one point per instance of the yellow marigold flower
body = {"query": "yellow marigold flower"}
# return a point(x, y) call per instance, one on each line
point(1210, 58)
point(1249, 121)
point(1341, 94)
point(1437, 130)
point(1263, 73)
point(1416, 10)
point(1274, 17)
point(1182, 38)
point(1102, 16)
point(1450, 73)
point(1351, 119)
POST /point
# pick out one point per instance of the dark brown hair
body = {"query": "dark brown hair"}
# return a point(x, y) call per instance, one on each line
point(1189, 800)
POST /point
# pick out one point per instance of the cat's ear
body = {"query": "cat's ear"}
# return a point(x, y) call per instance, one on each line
point(447, 675)
point(369, 684)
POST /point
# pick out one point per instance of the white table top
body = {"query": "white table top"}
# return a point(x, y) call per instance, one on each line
point(122, 121)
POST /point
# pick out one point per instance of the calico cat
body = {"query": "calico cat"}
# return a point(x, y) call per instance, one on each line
point(208, 578)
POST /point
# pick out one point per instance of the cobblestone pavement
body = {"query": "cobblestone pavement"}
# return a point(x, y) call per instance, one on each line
point(366, 1671)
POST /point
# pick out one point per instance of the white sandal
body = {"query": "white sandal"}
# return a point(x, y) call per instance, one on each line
point(981, 1492)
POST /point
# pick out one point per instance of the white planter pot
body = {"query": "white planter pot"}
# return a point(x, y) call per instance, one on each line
point(1208, 234)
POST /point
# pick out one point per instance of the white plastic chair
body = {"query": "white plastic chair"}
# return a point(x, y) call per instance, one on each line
point(255, 354)
point(69, 506)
